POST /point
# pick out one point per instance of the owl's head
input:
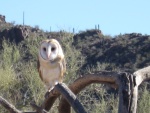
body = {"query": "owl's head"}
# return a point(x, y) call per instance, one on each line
point(50, 49)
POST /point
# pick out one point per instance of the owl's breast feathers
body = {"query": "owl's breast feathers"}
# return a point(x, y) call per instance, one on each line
point(49, 71)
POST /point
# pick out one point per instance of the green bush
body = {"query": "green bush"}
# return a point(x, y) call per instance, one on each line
point(144, 101)
point(19, 75)
point(20, 83)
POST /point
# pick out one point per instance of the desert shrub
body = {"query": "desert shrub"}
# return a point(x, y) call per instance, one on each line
point(96, 98)
point(9, 54)
point(20, 82)
point(74, 59)
point(20, 76)
point(144, 100)
point(8, 79)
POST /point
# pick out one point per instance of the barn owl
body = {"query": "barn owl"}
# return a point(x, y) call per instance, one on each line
point(51, 63)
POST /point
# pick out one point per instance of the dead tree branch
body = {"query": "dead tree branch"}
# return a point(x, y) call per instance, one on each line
point(12, 109)
point(128, 90)
point(128, 87)
point(106, 77)
point(126, 97)
point(8, 106)
point(70, 97)
point(126, 82)
point(38, 109)
point(142, 75)
point(49, 101)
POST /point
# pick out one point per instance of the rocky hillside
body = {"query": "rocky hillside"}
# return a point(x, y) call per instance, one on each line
point(127, 51)
point(18, 33)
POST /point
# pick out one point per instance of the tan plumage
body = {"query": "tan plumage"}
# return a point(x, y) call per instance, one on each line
point(51, 63)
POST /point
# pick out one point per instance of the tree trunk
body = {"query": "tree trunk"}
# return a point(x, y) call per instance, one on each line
point(128, 89)
point(127, 93)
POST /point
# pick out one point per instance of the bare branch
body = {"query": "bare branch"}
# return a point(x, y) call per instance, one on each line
point(8, 106)
point(126, 95)
point(127, 83)
point(105, 77)
point(49, 101)
point(37, 108)
point(128, 89)
point(142, 75)
point(70, 97)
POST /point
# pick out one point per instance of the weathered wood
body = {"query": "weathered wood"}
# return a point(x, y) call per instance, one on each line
point(8, 106)
point(70, 97)
point(126, 95)
point(142, 75)
point(127, 83)
point(37, 108)
point(12, 109)
point(104, 77)
point(49, 101)
point(128, 89)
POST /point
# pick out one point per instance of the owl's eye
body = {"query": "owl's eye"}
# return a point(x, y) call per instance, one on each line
point(53, 49)
point(44, 49)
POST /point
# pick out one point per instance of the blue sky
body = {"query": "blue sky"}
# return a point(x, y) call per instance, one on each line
point(113, 16)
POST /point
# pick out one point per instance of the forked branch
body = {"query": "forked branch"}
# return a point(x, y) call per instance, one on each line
point(126, 82)
point(105, 77)
point(8, 106)
point(12, 108)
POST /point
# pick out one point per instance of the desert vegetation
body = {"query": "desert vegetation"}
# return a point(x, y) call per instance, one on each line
point(85, 52)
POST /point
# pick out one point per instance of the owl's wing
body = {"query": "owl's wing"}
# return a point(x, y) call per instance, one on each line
point(64, 65)
point(62, 69)
point(38, 66)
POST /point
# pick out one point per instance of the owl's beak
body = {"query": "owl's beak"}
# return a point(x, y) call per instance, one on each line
point(48, 52)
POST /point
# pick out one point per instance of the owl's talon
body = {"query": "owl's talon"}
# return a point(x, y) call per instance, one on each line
point(48, 92)
point(50, 89)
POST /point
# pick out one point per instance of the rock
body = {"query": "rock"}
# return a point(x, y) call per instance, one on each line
point(2, 19)
point(16, 34)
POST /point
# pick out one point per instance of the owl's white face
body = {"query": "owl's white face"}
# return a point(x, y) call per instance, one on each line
point(49, 50)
